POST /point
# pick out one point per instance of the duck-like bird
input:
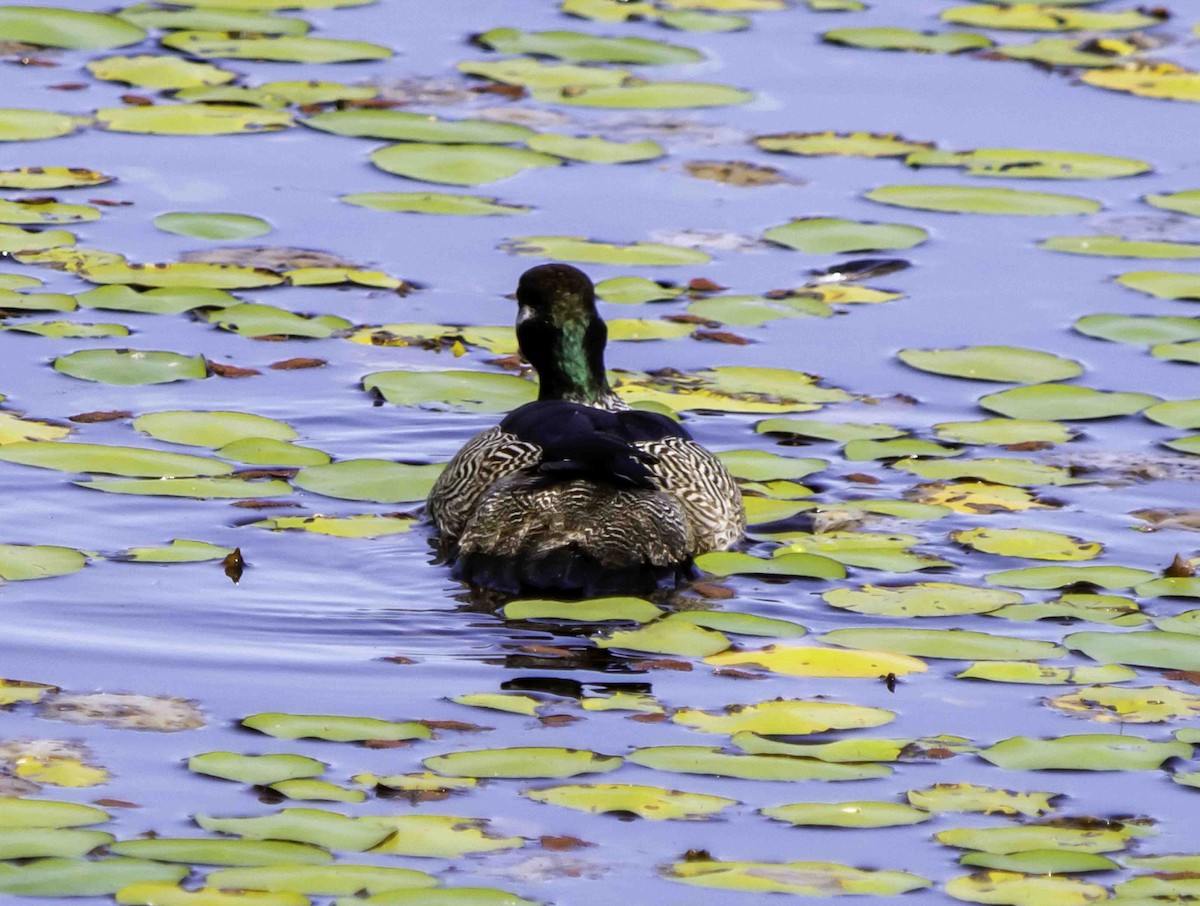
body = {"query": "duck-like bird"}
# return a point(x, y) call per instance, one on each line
point(577, 492)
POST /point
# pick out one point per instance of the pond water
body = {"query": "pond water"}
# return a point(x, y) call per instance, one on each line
point(371, 627)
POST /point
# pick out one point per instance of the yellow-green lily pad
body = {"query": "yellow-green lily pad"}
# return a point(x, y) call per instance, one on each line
point(199, 488)
point(1064, 402)
point(710, 760)
point(651, 802)
point(159, 72)
point(1110, 609)
point(580, 47)
point(213, 19)
point(459, 164)
point(593, 149)
point(1028, 543)
point(1084, 752)
point(977, 200)
point(20, 125)
point(47, 813)
point(437, 836)
point(808, 879)
point(1145, 648)
point(378, 480)
point(46, 26)
point(1003, 840)
point(211, 428)
point(64, 330)
point(965, 797)
point(594, 610)
point(847, 814)
point(213, 226)
point(925, 599)
point(366, 525)
point(792, 660)
point(839, 144)
point(668, 635)
point(255, 769)
point(46, 842)
point(302, 825)
point(944, 643)
point(1163, 284)
point(1113, 246)
point(334, 727)
point(74, 877)
point(993, 363)
point(832, 235)
point(279, 49)
point(1012, 887)
point(525, 762)
point(1128, 704)
point(433, 203)
point(206, 851)
point(1004, 431)
point(1027, 164)
point(473, 391)
point(735, 563)
point(325, 880)
point(131, 462)
point(165, 300)
point(632, 94)
point(1030, 17)
point(192, 119)
point(1043, 577)
point(784, 717)
point(587, 251)
point(400, 126)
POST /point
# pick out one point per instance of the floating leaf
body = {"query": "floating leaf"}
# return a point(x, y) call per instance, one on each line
point(328, 880)
point(906, 39)
point(379, 480)
point(458, 165)
point(844, 144)
point(712, 761)
point(580, 47)
point(635, 291)
point(211, 429)
point(111, 460)
point(594, 149)
point(974, 200)
point(1069, 52)
point(50, 27)
point(808, 661)
point(1084, 752)
point(1042, 675)
point(12, 301)
point(155, 71)
point(1023, 164)
point(1182, 202)
point(60, 330)
point(162, 301)
point(742, 623)
point(1163, 284)
point(926, 599)
point(1009, 887)
point(966, 797)
point(316, 790)
point(1163, 81)
point(587, 251)
point(214, 19)
point(654, 803)
point(333, 727)
point(831, 235)
point(993, 363)
point(256, 769)
point(1110, 577)
point(1170, 586)
point(944, 643)
point(646, 95)
point(40, 843)
point(438, 836)
point(1016, 472)
point(1029, 17)
point(45, 813)
point(1111, 609)
point(809, 879)
point(1004, 431)
point(595, 610)
point(857, 751)
point(754, 311)
point(527, 762)
point(735, 563)
point(842, 432)
point(500, 701)
point(1138, 329)
point(71, 877)
point(206, 851)
point(364, 526)
point(1128, 704)
point(530, 73)
point(302, 825)
point(397, 125)
point(186, 274)
point(1146, 648)
point(474, 391)
point(1116, 247)
point(1064, 402)
point(285, 49)
point(253, 320)
point(433, 203)
point(667, 636)
point(976, 497)
point(17, 125)
point(192, 119)
point(1029, 543)
point(212, 226)
point(39, 178)
point(847, 814)
point(43, 213)
point(200, 488)
point(1178, 352)
point(863, 450)
point(784, 717)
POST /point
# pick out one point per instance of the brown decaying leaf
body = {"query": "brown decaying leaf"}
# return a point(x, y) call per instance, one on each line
point(386, 744)
point(458, 726)
point(400, 659)
point(509, 363)
point(692, 319)
point(283, 472)
point(1188, 520)
point(512, 92)
point(372, 104)
point(549, 650)
point(115, 803)
point(648, 718)
point(734, 673)
point(110, 203)
point(736, 173)
point(862, 478)
point(271, 258)
point(703, 285)
point(234, 565)
point(265, 504)
point(1185, 676)
point(35, 61)
point(563, 843)
point(557, 720)
point(230, 371)
point(110, 415)
point(661, 664)
point(136, 100)
point(1029, 446)
point(721, 336)
point(1181, 568)
point(69, 86)
point(297, 363)
point(712, 590)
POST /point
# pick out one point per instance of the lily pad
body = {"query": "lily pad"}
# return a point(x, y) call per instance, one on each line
point(1030, 17)
point(213, 19)
point(1029, 543)
point(302, 825)
point(178, 274)
point(327, 880)
point(944, 643)
point(1111, 609)
point(1114, 246)
point(1165, 81)
point(841, 144)
point(474, 391)
point(993, 363)
point(1026, 672)
point(791, 660)
point(40, 843)
point(710, 760)
point(199, 488)
point(907, 39)
point(735, 563)
point(1064, 402)
point(1011, 887)
point(18, 125)
point(1004, 431)
point(210, 429)
point(1084, 752)
point(651, 802)
point(1163, 284)
point(159, 71)
point(587, 251)
point(1146, 648)
point(667, 636)
point(400, 126)
point(594, 149)
point(72, 877)
point(135, 462)
point(1109, 577)
point(1138, 329)
point(61, 330)
point(926, 599)
point(965, 797)
point(168, 300)
point(334, 727)
point(784, 717)
point(1128, 704)
point(635, 291)
point(433, 203)
point(808, 879)
point(580, 47)
point(378, 480)
point(192, 119)
point(49, 27)
point(47, 813)
point(595, 610)
point(282, 49)
point(528, 762)
point(999, 470)
point(438, 836)
point(366, 525)
point(45, 213)
point(206, 851)
point(460, 164)
point(1025, 164)
point(255, 769)
point(251, 319)
point(39, 178)
point(832, 235)
point(646, 95)
point(847, 814)
point(212, 226)
point(975, 200)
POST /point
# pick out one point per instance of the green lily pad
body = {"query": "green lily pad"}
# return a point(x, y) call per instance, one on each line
point(842, 432)
point(162, 893)
point(847, 814)
point(1110, 609)
point(735, 563)
point(334, 727)
point(135, 462)
point(399, 126)
point(1138, 329)
point(41, 843)
point(438, 836)
point(213, 19)
point(305, 789)
point(1034, 837)
point(433, 203)
point(509, 703)
point(998, 470)
point(1084, 752)
point(1025, 164)
point(211, 429)
point(366, 525)
point(17, 125)
point(528, 762)
point(965, 797)
point(587, 251)
point(302, 825)
point(903, 447)
point(759, 465)
point(263, 451)
point(199, 488)
point(1012, 887)
point(251, 319)
point(1184, 444)
point(473, 391)
point(858, 751)
point(313, 92)
point(594, 149)
point(325, 880)
point(580, 47)
point(282, 49)
point(459, 164)
point(1028, 543)
point(158, 71)
point(212, 226)
point(651, 802)
point(742, 624)
point(632, 94)
point(13, 301)
point(925, 599)
point(976, 200)
point(993, 363)
point(1042, 577)
point(754, 311)
point(192, 119)
point(832, 235)
point(1068, 52)
point(945, 643)
point(1157, 888)
point(1181, 202)
point(784, 717)
point(535, 74)
point(1145, 648)
point(1163, 284)
point(206, 851)
point(1178, 352)
point(47, 178)
point(1041, 862)
point(1029, 17)
point(907, 39)
point(1170, 587)
point(256, 769)
point(635, 291)
point(808, 879)
point(711, 761)
point(49, 27)
point(378, 480)
point(1003, 431)
point(1129, 704)
point(72, 877)
point(61, 330)
point(167, 300)
point(1064, 402)
point(595, 610)
point(791, 660)
point(1115, 247)
point(178, 274)
point(1025, 672)
point(667, 636)
point(842, 144)
point(45, 213)
point(47, 813)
